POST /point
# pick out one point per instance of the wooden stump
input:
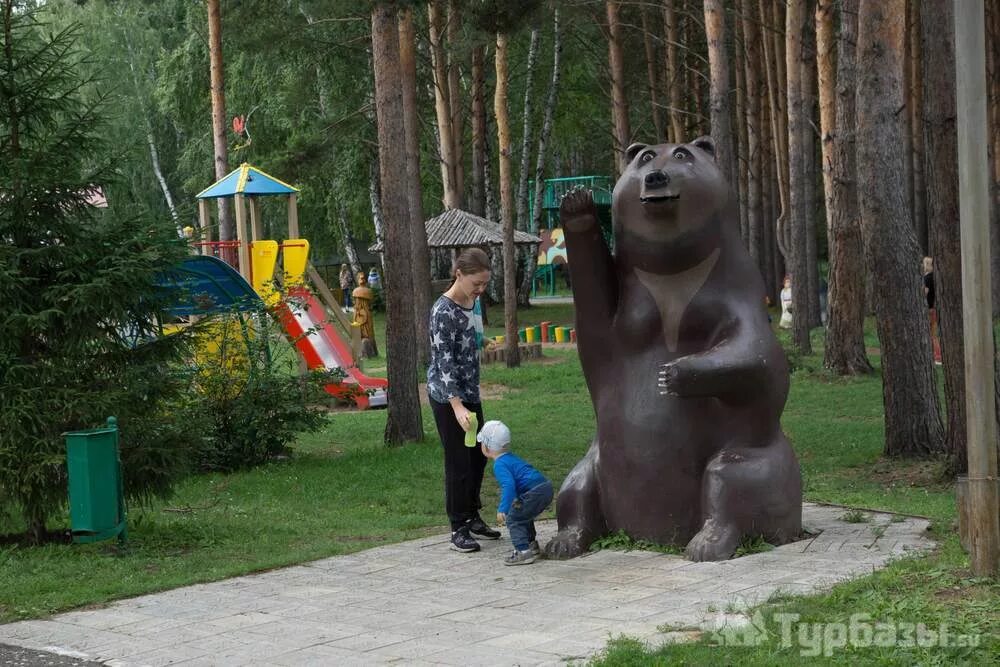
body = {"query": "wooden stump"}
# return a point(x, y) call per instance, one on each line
point(528, 351)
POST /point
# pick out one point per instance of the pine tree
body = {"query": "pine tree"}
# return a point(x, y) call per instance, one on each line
point(77, 285)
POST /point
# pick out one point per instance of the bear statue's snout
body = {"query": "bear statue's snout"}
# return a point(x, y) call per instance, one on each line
point(656, 179)
point(656, 187)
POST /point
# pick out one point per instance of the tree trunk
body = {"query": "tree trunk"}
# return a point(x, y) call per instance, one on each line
point(651, 78)
point(778, 117)
point(442, 104)
point(696, 125)
point(347, 239)
point(993, 99)
point(674, 73)
point(374, 199)
point(809, 155)
point(845, 344)
point(478, 199)
point(915, 107)
point(403, 421)
point(742, 159)
point(154, 153)
point(797, 254)
point(512, 353)
point(455, 101)
point(420, 253)
point(752, 83)
point(941, 139)
point(227, 227)
point(912, 421)
point(490, 192)
point(719, 90)
point(522, 181)
point(543, 136)
point(768, 196)
point(529, 259)
point(619, 102)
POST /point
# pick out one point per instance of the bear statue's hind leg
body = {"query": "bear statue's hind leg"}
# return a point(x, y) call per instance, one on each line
point(578, 510)
point(748, 492)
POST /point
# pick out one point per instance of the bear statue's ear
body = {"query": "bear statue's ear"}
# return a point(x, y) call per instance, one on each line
point(632, 151)
point(706, 144)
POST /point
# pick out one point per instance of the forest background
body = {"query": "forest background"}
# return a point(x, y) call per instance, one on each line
point(834, 121)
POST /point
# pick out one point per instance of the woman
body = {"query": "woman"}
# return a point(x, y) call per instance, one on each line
point(345, 285)
point(453, 390)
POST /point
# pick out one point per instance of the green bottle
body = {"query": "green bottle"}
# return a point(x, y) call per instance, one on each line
point(470, 435)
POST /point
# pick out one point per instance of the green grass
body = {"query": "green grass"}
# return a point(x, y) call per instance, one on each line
point(343, 491)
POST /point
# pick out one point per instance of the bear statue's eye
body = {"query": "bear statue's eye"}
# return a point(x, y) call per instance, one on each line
point(681, 154)
point(647, 156)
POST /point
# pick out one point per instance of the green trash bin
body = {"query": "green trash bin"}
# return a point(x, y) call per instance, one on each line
point(96, 504)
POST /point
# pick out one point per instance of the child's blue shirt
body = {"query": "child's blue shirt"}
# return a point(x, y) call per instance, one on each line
point(515, 477)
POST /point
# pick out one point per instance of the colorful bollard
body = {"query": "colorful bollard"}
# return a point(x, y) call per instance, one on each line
point(529, 335)
point(561, 333)
point(546, 336)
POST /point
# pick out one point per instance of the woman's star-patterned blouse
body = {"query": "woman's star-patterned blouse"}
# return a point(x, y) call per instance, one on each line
point(454, 367)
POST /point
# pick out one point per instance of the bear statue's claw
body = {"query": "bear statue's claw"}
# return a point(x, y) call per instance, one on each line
point(566, 544)
point(667, 380)
point(713, 542)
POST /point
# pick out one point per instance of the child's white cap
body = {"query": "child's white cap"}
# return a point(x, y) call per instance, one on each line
point(494, 434)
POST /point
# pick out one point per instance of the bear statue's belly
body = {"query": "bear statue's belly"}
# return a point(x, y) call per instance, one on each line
point(667, 475)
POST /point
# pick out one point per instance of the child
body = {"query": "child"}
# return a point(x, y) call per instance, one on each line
point(524, 492)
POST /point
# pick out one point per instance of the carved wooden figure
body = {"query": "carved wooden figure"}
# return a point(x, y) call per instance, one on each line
point(363, 296)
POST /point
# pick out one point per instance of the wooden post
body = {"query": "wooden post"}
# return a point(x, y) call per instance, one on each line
point(205, 222)
point(256, 222)
point(241, 237)
point(293, 217)
point(973, 175)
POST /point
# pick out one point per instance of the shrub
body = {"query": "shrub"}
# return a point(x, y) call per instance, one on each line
point(249, 405)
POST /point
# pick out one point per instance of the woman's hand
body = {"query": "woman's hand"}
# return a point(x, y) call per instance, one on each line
point(462, 415)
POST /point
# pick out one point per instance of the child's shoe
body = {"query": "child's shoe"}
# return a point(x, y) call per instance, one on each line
point(518, 557)
point(462, 541)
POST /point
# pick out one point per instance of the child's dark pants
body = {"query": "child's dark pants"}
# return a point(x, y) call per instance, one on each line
point(521, 518)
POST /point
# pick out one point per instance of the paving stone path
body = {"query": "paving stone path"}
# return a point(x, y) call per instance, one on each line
point(417, 603)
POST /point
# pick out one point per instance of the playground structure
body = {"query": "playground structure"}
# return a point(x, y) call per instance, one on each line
point(303, 316)
point(552, 250)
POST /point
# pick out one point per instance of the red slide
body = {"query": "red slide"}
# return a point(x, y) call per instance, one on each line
point(321, 346)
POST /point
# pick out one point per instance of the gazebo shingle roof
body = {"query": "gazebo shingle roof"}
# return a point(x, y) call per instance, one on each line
point(460, 229)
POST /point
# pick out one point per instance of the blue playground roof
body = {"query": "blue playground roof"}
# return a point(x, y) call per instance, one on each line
point(246, 180)
point(202, 284)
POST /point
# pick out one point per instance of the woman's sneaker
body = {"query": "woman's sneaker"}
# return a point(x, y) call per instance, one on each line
point(518, 557)
point(479, 528)
point(461, 541)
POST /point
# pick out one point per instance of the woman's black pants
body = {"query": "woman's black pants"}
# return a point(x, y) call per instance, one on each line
point(463, 466)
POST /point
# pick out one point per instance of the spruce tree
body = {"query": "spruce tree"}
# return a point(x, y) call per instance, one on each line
point(78, 303)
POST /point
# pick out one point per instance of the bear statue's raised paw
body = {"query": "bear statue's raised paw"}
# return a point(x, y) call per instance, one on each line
point(576, 209)
point(713, 542)
point(566, 544)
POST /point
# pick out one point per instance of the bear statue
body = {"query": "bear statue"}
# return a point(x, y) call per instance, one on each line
point(686, 377)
